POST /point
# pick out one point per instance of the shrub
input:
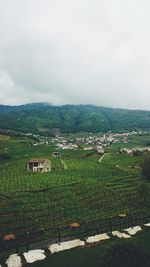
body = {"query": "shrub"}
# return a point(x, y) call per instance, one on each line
point(145, 165)
point(125, 255)
point(4, 156)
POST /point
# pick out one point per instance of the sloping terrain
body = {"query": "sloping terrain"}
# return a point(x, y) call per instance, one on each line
point(47, 119)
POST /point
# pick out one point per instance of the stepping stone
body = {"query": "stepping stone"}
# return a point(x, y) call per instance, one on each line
point(120, 234)
point(14, 261)
point(34, 255)
point(133, 230)
point(147, 224)
point(66, 245)
point(97, 238)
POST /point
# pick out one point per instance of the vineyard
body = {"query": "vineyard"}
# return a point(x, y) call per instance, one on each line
point(78, 189)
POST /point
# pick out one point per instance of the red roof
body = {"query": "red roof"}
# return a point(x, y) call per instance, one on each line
point(37, 160)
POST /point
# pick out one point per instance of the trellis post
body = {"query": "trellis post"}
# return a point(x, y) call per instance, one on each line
point(86, 228)
point(59, 234)
point(28, 238)
point(110, 224)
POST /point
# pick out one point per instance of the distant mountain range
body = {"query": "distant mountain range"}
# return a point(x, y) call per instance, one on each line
point(45, 119)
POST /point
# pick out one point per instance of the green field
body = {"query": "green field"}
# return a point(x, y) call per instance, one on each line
point(78, 189)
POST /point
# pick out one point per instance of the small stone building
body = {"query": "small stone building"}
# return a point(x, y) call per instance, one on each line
point(56, 154)
point(39, 165)
point(100, 150)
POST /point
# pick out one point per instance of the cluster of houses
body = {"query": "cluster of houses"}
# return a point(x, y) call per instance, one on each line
point(134, 151)
point(65, 146)
point(85, 143)
point(88, 143)
point(104, 140)
point(40, 143)
point(92, 142)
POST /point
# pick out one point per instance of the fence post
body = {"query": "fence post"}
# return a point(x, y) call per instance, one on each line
point(86, 228)
point(28, 238)
point(59, 234)
point(17, 249)
point(141, 218)
point(120, 223)
point(110, 224)
point(131, 219)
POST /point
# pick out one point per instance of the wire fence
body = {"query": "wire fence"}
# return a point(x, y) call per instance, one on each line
point(36, 239)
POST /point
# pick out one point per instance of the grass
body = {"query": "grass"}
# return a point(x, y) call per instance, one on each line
point(4, 137)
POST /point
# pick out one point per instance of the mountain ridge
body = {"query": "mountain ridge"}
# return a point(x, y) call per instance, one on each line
point(71, 118)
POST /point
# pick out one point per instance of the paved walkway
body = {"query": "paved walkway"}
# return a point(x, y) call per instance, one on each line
point(102, 157)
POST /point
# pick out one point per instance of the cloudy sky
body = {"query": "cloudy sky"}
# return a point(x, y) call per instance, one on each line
point(75, 52)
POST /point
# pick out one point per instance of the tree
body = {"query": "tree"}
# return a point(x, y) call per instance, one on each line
point(145, 165)
point(144, 194)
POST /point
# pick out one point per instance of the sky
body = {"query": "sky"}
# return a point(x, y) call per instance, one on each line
point(75, 52)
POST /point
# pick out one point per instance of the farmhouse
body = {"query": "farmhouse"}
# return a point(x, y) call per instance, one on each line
point(39, 165)
point(100, 150)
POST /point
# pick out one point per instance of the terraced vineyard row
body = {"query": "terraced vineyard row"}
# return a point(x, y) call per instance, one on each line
point(86, 199)
point(84, 191)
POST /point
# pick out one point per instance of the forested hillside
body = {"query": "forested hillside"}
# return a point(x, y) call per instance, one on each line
point(43, 117)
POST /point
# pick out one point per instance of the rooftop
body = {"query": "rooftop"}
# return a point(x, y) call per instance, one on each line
point(37, 160)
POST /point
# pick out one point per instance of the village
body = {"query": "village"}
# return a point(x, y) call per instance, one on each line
point(90, 142)
point(99, 144)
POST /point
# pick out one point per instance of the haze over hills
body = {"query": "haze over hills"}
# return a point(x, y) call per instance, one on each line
point(44, 117)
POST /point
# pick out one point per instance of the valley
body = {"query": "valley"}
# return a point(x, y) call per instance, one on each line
point(79, 188)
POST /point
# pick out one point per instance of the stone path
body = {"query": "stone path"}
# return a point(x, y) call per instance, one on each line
point(14, 260)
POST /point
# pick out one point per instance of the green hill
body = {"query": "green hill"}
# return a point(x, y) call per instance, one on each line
point(45, 118)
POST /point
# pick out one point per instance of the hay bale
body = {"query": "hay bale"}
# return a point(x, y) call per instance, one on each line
point(74, 225)
point(9, 237)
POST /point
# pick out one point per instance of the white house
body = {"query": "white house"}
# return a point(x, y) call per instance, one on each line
point(39, 165)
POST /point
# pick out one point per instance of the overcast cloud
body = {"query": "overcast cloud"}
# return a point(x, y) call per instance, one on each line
point(75, 52)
